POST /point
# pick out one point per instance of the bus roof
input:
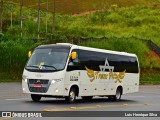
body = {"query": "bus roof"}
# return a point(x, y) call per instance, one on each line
point(106, 51)
point(88, 48)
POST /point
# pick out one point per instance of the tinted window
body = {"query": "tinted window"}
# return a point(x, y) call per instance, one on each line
point(92, 60)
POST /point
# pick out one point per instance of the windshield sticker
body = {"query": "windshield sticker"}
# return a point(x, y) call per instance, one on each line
point(102, 75)
point(41, 66)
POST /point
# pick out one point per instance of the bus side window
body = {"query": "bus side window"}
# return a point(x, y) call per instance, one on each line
point(73, 64)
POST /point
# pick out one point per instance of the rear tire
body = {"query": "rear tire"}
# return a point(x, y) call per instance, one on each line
point(116, 97)
point(87, 98)
point(35, 98)
point(72, 96)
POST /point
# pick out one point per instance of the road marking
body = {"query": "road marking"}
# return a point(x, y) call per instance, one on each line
point(18, 99)
point(125, 104)
point(97, 106)
point(73, 107)
point(6, 118)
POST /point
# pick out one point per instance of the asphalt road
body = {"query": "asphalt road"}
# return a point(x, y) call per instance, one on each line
point(12, 99)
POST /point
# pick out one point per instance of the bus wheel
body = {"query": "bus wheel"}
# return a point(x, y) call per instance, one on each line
point(35, 98)
point(72, 96)
point(87, 98)
point(116, 97)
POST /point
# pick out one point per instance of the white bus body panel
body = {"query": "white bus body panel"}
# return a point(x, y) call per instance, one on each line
point(46, 76)
point(102, 87)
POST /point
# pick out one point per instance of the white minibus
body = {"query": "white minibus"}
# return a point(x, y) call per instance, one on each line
point(70, 71)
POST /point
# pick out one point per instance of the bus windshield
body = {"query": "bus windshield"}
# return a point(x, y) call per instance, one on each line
point(48, 59)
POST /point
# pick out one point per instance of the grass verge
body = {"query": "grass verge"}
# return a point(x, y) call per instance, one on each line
point(150, 76)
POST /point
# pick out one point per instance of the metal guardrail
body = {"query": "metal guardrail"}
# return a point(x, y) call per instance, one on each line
point(154, 47)
point(151, 44)
point(81, 39)
point(76, 41)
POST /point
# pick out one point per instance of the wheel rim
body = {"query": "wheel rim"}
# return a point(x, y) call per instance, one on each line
point(118, 94)
point(72, 96)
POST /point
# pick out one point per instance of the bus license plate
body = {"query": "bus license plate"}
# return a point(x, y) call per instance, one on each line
point(37, 85)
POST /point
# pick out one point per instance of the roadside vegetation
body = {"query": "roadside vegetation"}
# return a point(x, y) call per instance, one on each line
point(80, 6)
point(123, 27)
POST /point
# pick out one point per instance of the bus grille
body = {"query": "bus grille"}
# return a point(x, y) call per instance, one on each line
point(37, 81)
point(44, 85)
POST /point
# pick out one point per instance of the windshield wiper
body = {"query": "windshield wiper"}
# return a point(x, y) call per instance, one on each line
point(50, 66)
point(33, 66)
point(42, 65)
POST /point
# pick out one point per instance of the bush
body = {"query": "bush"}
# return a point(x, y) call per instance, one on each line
point(13, 57)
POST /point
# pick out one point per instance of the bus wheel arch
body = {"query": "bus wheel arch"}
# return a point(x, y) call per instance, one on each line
point(118, 94)
point(121, 88)
point(73, 93)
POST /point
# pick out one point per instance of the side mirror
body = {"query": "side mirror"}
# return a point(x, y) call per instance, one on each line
point(29, 54)
point(74, 55)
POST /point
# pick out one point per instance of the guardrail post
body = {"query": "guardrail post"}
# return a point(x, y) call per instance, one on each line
point(11, 14)
point(21, 19)
point(53, 15)
point(1, 15)
point(38, 18)
point(47, 18)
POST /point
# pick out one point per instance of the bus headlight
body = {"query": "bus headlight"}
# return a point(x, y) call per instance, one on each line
point(56, 90)
point(24, 78)
point(55, 80)
point(24, 89)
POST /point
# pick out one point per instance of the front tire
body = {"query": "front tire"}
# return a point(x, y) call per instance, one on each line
point(72, 96)
point(35, 98)
point(116, 97)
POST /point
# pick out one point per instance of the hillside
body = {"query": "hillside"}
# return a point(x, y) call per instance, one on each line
point(79, 6)
point(140, 22)
point(123, 29)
